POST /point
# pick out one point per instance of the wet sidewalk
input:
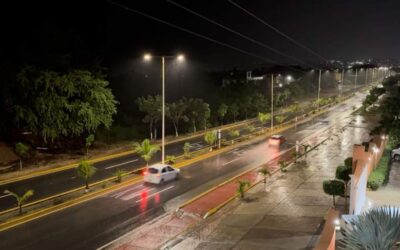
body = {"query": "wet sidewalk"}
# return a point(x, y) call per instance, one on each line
point(389, 194)
point(287, 213)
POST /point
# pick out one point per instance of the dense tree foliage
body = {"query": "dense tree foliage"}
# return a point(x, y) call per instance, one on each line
point(55, 105)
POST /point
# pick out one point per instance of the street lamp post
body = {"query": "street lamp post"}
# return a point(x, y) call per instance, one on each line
point(355, 80)
point(272, 102)
point(319, 87)
point(148, 57)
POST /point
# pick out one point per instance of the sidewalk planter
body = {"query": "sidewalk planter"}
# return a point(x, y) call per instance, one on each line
point(380, 174)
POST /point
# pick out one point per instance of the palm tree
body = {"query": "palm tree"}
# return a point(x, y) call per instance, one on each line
point(20, 199)
point(282, 166)
point(86, 170)
point(306, 148)
point(210, 137)
point(242, 184)
point(119, 174)
point(264, 171)
point(378, 228)
point(146, 150)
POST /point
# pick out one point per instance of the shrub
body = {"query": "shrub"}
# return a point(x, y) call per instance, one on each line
point(171, 159)
point(186, 150)
point(380, 174)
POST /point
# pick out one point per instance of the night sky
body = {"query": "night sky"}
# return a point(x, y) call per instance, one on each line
point(345, 29)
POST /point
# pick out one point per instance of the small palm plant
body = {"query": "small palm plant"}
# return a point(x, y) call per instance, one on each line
point(233, 134)
point(211, 137)
point(306, 148)
point(21, 199)
point(146, 150)
point(119, 174)
point(265, 172)
point(170, 159)
point(378, 228)
point(282, 166)
point(242, 184)
point(86, 170)
point(186, 150)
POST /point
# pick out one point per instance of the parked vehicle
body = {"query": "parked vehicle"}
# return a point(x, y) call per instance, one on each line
point(160, 173)
point(396, 153)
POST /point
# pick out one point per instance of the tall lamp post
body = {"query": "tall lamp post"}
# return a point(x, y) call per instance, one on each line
point(179, 58)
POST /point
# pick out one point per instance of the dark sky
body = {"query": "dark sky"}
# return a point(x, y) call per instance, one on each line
point(335, 29)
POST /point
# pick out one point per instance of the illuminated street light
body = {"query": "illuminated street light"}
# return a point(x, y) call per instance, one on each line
point(289, 78)
point(147, 57)
point(280, 85)
point(180, 58)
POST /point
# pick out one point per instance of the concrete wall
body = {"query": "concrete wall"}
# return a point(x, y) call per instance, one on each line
point(365, 159)
point(328, 235)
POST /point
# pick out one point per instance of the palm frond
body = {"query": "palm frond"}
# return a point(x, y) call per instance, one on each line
point(378, 228)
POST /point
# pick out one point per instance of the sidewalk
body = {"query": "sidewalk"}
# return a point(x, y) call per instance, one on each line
point(389, 194)
point(287, 214)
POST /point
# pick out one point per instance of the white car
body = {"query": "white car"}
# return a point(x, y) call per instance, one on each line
point(396, 153)
point(160, 173)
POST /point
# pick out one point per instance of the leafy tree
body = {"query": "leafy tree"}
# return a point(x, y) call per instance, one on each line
point(176, 112)
point(343, 173)
point(334, 188)
point(55, 105)
point(234, 111)
point(21, 199)
point(265, 172)
point(222, 110)
point(119, 174)
point(89, 142)
point(22, 150)
point(86, 170)
point(146, 150)
point(198, 112)
point(152, 107)
point(378, 228)
point(211, 137)
point(242, 184)
point(186, 150)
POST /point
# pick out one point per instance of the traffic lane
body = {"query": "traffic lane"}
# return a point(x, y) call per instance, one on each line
point(123, 215)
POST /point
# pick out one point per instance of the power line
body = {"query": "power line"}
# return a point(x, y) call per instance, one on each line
point(278, 31)
point(238, 33)
point(196, 34)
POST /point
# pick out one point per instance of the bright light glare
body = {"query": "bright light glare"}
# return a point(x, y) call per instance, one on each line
point(147, 57)
point(180, 58)
point(289, 78)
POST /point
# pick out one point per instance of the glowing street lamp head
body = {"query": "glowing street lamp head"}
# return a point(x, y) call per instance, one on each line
point(289, 78)
point(180, 58)
point(147, 57)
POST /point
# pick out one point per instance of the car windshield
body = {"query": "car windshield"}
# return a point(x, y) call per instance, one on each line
point(153, 171)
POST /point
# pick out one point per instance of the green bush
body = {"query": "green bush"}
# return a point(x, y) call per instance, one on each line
point(380, 174)
point(170, 159)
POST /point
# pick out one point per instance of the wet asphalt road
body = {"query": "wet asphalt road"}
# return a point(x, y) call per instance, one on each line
point(96, 222)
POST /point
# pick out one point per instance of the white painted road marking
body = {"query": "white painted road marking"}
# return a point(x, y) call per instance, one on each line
point(4, 196)
point(226, 163)
point(119, 194)
point(165, 189)
point(113, 166)
point(134, 195)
